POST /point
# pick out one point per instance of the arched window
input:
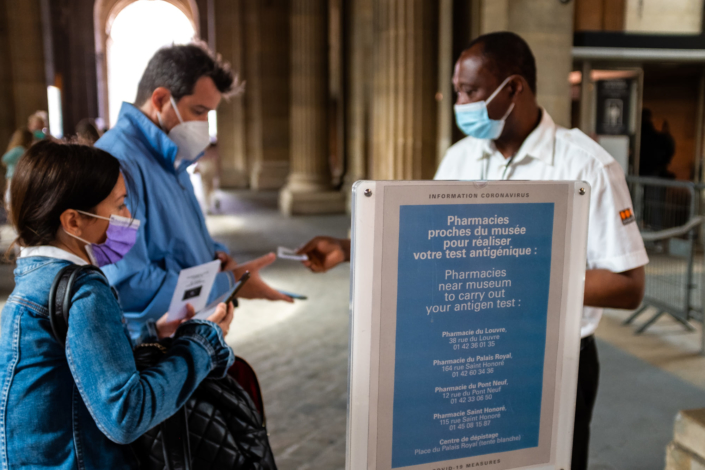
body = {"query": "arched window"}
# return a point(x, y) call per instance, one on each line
point(128, 33)
point(137, 32)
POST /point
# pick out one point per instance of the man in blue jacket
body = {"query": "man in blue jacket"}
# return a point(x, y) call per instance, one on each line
point(156, 139)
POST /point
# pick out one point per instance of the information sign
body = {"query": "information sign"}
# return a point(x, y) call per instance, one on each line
point(466, 305)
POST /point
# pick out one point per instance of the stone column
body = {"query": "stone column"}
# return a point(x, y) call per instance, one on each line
point(68, 35)
point(404, 118)
point(26, 52)
point(267, 97)
point(495, 15)
point(229, 38)
point(547, 25)
point(7, 110)
point(308, 190)
point(446, 62)
point(358, 53)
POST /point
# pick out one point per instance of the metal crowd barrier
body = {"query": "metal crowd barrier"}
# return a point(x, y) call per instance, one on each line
point(666, 213)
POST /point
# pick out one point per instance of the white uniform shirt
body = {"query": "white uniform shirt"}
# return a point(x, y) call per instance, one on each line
point(551, 152)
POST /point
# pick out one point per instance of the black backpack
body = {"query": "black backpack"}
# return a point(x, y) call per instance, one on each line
point(222, 425)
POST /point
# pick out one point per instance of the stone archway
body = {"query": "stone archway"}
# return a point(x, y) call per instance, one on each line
point(104, 13)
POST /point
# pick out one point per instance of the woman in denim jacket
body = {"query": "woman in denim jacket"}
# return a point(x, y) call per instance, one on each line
point(75, 407)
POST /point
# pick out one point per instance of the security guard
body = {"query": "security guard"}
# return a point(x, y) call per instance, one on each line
point(511, 137)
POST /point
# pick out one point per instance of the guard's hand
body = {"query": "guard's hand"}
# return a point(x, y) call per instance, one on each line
point(167, 328)
point(223, 316)
point(256, 288)
point(227, 263)
point(325, 253)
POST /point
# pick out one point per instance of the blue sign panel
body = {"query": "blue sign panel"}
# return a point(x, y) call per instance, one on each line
point(473, 285)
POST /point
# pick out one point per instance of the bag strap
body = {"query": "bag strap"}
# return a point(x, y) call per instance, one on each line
point(176, 447)
point(61, 296)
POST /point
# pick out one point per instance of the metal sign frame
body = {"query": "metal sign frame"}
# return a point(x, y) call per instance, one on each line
point(374, 272)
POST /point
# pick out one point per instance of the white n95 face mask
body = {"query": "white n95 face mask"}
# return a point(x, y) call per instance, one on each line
point(192, 137)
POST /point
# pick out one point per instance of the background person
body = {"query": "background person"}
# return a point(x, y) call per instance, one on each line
point(76, 406)
point(511, 137)
point(208, 167)
point(656, 152)
point(38, 124)
point(657, 148)
point(156, 140)
point(20, 141)
point(87, 132)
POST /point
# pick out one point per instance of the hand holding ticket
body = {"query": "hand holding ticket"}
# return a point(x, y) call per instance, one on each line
point(215, 312)
point(325, 253)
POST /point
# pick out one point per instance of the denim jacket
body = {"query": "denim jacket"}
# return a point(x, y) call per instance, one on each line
point(76, 407)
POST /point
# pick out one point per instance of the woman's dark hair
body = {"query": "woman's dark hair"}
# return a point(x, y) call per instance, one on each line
point(179, 67)
point(54, 177)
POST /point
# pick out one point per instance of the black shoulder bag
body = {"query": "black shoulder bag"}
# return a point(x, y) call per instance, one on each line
point(222, 426)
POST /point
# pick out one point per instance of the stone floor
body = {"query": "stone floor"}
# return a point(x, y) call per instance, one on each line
point(300, 352)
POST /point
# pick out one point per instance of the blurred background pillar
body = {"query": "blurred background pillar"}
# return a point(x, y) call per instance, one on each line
point(446, 64)
point(308, 190)
point(359, 17)
point(7, 110)
point(23, 87)
point(267, 97)
point(404, 116)
point(547, 25)
point(229, 42)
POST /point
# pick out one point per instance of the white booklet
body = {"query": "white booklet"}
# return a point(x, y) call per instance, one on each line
point(193, 287)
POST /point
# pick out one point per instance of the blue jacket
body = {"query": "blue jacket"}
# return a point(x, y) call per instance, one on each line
point(172, 235)
point(76, 407)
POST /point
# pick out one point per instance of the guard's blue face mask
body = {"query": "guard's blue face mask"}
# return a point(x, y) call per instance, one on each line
point(473, 120)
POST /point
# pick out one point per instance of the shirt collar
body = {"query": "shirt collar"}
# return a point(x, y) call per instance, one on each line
point(538, 144)
point(48, 251)
point(152, 135)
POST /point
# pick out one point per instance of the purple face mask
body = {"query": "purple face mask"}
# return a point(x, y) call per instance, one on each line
point(122, 234)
